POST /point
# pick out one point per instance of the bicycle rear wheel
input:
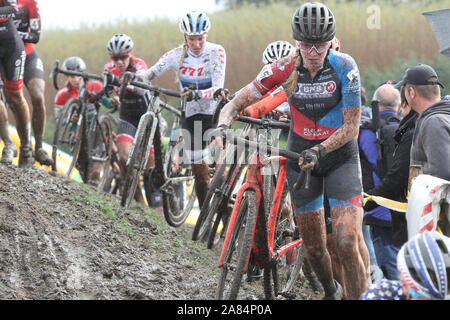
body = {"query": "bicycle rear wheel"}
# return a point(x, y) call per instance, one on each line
point(176, 209)
point(136, 162)
point(110, 173)
point(67, 139)
point(238, 252)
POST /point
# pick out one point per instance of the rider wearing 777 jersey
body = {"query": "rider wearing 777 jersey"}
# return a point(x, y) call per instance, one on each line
point(200, 67)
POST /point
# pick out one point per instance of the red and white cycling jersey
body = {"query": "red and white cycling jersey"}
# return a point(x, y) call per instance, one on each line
point(205, 72)
point(139, 67)
point(69, 92)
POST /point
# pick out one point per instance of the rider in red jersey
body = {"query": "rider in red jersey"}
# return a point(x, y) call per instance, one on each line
point(12, 63)
point(133, 105)
point(71, 90)
point(74, 83)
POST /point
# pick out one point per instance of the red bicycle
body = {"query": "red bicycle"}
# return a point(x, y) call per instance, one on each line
point(257, 233)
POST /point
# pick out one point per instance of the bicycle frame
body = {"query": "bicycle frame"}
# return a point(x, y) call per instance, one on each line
point(254, 182)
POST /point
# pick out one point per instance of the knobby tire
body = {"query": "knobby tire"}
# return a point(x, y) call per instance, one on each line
point(137, 159)
point(201, 226)
point(245, 246)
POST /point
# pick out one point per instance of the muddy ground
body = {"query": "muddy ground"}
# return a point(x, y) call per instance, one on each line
point(63, 240)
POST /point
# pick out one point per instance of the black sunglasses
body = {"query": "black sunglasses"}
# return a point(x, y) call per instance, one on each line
point(123, 58)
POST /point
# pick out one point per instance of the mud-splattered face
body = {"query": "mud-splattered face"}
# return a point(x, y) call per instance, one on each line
point(197, 43)
point(313, 54)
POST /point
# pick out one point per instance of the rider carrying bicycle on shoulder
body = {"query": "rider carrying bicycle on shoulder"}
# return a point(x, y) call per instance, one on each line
point(200, 67)
point(323, 88)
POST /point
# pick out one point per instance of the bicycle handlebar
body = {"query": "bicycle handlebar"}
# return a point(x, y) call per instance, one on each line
point(146, 86)
point(56, 70)
point(265, 122)
point(304, 176)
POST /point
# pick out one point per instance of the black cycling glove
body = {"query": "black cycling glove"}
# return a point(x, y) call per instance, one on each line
point(309, 155)
point(218, 93)
point(193, 94)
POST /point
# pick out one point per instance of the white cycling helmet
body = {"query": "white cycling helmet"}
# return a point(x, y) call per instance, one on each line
point(277, 50)
point(424, 262)
point(195, 23)
point(74, 64)
point(120, 44)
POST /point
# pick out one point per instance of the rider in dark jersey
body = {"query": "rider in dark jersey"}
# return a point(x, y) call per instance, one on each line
point(323, 87)
point(12, 63)
point(28, 22)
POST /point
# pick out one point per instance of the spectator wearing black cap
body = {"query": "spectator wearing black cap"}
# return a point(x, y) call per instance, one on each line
point(431, 141)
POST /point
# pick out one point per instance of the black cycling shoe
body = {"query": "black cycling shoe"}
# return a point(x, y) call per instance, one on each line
point(337, 295)
point(43, 158)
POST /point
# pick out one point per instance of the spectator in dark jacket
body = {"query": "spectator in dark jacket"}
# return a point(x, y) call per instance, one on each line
point(379, 218)
point(431, 143)
point(395, 184)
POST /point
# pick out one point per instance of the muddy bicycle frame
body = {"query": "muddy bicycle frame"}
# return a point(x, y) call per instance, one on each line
point(254, 182)
point(82, 117)
point(154, 112)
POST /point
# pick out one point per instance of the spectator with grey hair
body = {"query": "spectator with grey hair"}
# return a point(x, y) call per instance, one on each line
point(376, 153)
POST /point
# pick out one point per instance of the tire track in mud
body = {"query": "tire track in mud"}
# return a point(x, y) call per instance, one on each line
point(62, 240)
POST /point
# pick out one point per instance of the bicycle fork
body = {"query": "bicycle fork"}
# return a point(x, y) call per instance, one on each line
point(234, 215)
point(275, 210)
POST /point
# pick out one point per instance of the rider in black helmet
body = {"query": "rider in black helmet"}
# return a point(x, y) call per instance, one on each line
point(323, 89)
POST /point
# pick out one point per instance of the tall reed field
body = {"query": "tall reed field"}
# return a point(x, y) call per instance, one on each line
point(382, 36)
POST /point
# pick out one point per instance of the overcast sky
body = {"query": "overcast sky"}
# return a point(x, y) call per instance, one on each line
point(69, 14)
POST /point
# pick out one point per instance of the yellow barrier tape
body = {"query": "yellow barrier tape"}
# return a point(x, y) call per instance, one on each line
point(388, 203)
point(63, 160)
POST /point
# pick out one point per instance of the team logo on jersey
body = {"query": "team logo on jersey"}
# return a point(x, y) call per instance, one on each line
point(316, 90)
point(265, 73)
point(353, 77)
point(315, 132)
point(34, 23)
point(330, 86)
point(161, 66)
point(39, 65)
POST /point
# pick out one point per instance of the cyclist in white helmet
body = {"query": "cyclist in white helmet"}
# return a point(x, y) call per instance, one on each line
point(200, 68)
point(424, 266)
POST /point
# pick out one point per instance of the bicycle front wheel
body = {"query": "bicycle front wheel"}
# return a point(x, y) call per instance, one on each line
point(110, 172)
point(67, 139)
point(238, 252)
point(136, 162)
point(176, 205)
point(210, 205)
point(286, 269)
